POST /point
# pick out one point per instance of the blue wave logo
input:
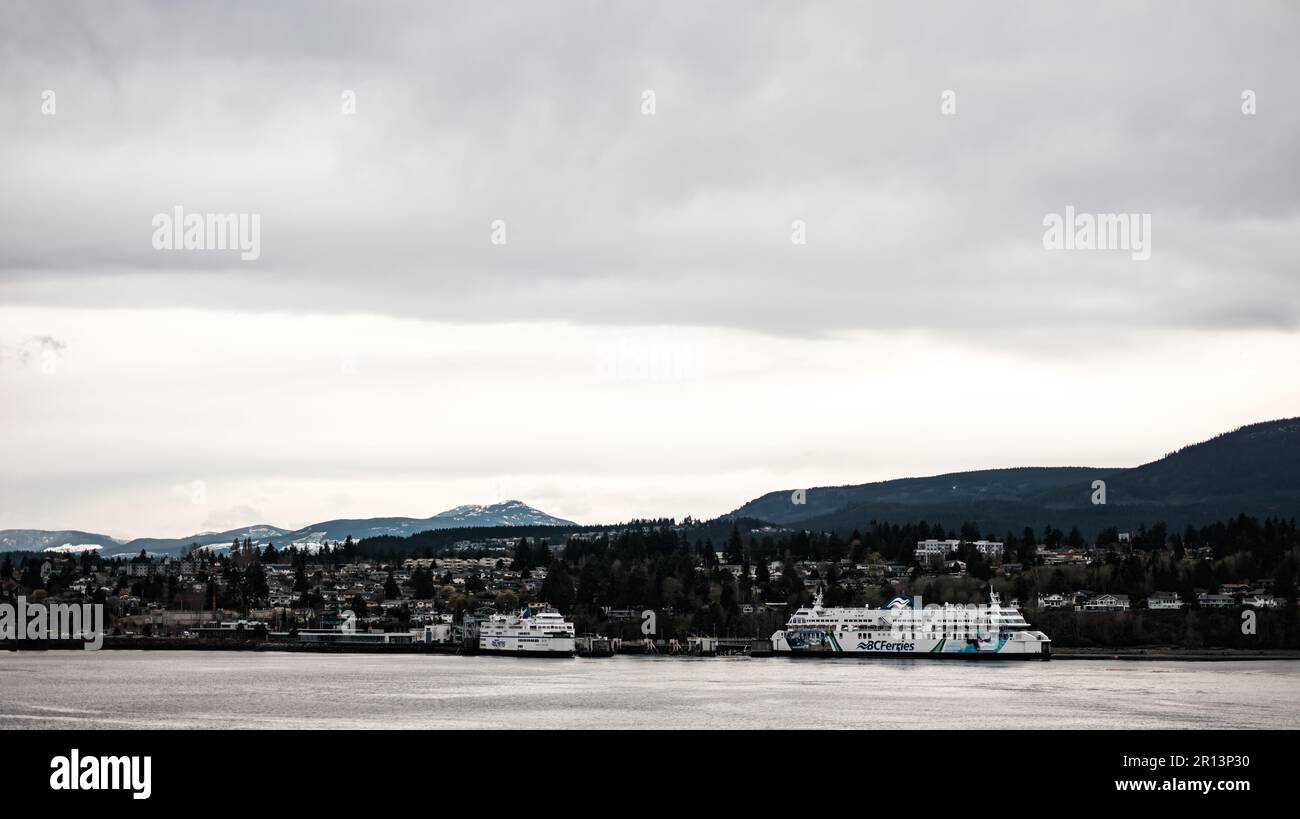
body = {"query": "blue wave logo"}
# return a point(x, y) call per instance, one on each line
point(881, 645)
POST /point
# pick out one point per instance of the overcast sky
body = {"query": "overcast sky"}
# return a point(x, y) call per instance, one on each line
point(648, 340)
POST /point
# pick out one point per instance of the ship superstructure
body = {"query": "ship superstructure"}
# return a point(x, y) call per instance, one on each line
point(904, 627)
point(527, 632)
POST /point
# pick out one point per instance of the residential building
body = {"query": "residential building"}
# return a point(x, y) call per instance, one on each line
point(1164, 601)
point(933, 552)
point(1107, 603)
point(1216, 601)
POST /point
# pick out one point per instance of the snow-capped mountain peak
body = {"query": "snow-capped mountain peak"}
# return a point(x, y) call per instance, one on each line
point(505, 513)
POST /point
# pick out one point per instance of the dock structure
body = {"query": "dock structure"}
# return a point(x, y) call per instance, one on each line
point(593, 647)
point(694, 646)
point(737, 645)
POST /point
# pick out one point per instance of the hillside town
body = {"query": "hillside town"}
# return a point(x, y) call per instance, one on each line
point(308, 592)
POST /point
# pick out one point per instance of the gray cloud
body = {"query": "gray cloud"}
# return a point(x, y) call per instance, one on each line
point(35, 349)
point(827, 113)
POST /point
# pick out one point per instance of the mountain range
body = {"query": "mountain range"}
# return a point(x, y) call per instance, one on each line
point(506, 513)
point(1253, 470)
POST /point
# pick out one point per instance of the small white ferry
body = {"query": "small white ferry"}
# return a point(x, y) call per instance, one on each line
point(542, 633)
point(903, 627)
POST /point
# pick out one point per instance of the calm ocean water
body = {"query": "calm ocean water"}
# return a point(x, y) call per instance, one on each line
point(121, 689)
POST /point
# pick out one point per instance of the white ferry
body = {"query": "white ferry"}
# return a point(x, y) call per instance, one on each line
point(904, 628)
point(542, 633)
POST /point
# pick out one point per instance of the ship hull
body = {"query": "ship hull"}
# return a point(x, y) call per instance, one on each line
point(528, 647)
point(827, 645)
point(545, 634)
point(987, 656)
point(500, 652)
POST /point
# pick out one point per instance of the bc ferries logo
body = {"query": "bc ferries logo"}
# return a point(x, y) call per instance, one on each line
point(498, 643)
point(883, 645)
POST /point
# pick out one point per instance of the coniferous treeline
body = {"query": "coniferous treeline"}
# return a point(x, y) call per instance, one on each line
point(742, 577)
point(664, 568)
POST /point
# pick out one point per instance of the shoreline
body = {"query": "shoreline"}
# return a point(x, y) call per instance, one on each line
point(1130, 654)
point(1138, 654)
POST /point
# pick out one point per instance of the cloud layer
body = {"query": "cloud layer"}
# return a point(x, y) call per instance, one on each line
point(827, 113)
point(648, 341)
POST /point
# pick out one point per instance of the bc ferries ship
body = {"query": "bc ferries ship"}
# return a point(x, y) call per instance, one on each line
point(904, 628)
point(544, 633)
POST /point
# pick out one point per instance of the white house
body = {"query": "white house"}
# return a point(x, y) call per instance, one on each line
point(1107, 602)
point(1216, 601)
point(932, 552)
point(1164, 601)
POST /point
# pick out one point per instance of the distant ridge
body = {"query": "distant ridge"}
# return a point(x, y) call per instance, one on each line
point(505, 513)
point(1253, 470)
